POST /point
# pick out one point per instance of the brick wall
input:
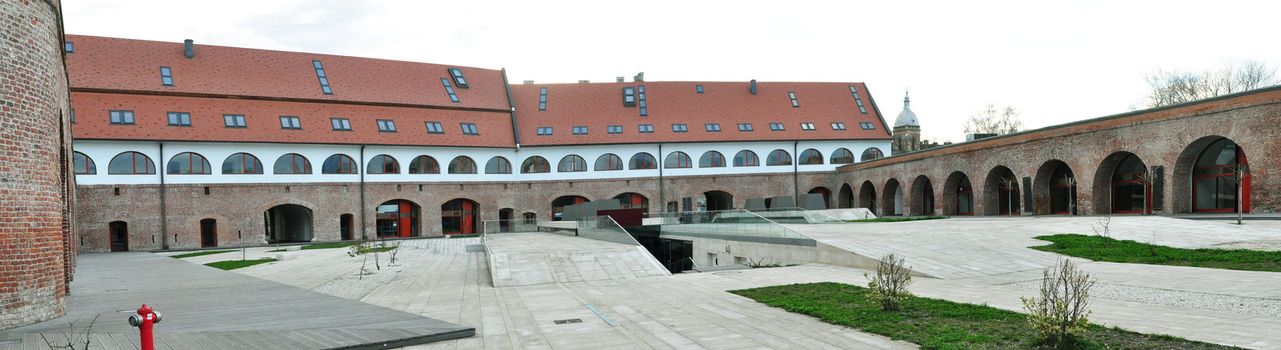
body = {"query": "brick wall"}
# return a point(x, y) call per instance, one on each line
point(34, 214)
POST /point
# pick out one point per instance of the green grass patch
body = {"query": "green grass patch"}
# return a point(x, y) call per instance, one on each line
point(899, 219)
point(236, 264)
point(200, 253)
point(277, 250)
point(328, 245)
point(941, 324)
point(1099, 248)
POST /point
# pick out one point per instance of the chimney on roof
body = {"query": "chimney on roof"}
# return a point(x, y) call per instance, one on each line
point(189, 48)
point(584, 81)
point(621, 79)
point(752, 88)
point(640, 77)
point(529, 82)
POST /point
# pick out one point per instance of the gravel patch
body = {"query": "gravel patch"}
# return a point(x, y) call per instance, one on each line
point(1271, 246)
point(1194, 300)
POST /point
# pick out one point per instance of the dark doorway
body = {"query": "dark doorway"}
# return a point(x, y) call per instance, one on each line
point(559, 204)
point(1001, 192)
point(1214, 179)
point(922, 199)
point(530, 218)
point(344, 226)
point(208, 233)
point(827, 195)
point(719, 200)
point(287, 223)
point(458, 216)
point(1062, 191)
point(118, 233)
point(1129, 186)
point(845, 199)
point(504, 219)
point(867, 197)
point(397, 218)
point(958, 195)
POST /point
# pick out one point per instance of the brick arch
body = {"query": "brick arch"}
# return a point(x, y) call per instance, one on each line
point(278, 202)
point(993, 196)
point(955, 181)
point(1181, 178)
point(867, 196)
point(822, 190)
point(1043, 187)
point(921, 199)
point(891, 192)
point(1102, 186)
point(845, 196)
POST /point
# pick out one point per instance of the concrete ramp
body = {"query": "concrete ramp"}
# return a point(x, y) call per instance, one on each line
point(528, 258)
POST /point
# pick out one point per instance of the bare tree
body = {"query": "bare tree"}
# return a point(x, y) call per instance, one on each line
point(1060, 312)
point(889, 284)
point(994, 120)
point(1174, 87)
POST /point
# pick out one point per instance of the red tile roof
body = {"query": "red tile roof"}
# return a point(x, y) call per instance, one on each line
point(599, 105)
point(100, 63)
point(263, 121)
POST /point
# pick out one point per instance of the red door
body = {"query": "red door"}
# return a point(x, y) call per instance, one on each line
point(406, 219)
point(468, 224)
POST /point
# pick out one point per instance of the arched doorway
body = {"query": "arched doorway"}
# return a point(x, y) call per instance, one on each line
point(559, 204)
point(459, 216)
point(1212, 176)
point(893, 203)
point(1122, 185)
point(1001, 192)
point(867, 197)
point(397, 218)
point(922, 200)
point(345, 227)
point(631, 200)
point(208, 233)
point(530, 218)
point(504, 219)
point(827, 195)
point(288, 223)
point(719, 200)
point(845, 198)
point(1054, 189)
point(118, 234)
point(958, 195)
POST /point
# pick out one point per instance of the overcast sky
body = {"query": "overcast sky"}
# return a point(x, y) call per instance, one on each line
point(1054, 61)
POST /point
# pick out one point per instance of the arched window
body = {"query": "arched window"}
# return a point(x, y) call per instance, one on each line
point(810, 157)
point(711, 159)
point(641, 161)
point(535, 165)
point(571, 163)
point(188, 163)
point(424, 164)
point(871, 153)
point(498, 165)
point(746, 158)
point(676, 160)
point(131, 163)
point(779, 157)
point(1214, 183)
point(241, 163)
point(462, 165)
point(83, 165)
point(842, 156)
point(608, 161)
point(292, 163)
point(338, 164)
point(382, 164)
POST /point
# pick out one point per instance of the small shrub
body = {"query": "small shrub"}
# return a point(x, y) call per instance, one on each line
point(1060, 313)
point(1103, 227)
point(889, 285)
point(762, 263)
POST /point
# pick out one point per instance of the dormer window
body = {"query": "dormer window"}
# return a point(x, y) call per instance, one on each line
point(807, 126)
point(712, 127)
point(340, 124)
point(614, 129)
point(435, 128)
point(792, 95)
point(386, 125)
point(776, 127)
point(166, 76)
point(470, 129)
point(542, 99)
point(449, 89)
point(69, 47)
point(122, 117)
point(644, 107)
point(744, 127)
point(324, 79)
point(866, 125)
point(838, 126)
point(458, 77)
point(290, 122)
point(858, 100)
point(698, 88)
point(629, 96)
point(580, 130)
point(179, 119)
point(645, 128)
point(680, 128)
point(234, 120)
point(544, 131)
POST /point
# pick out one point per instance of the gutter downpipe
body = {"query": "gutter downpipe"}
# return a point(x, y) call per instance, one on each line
point(164, 218)
point(796, 186)
point(662, 198)
point(363, 224)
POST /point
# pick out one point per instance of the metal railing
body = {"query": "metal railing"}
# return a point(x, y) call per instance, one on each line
point(735, 225)
point(604, 228)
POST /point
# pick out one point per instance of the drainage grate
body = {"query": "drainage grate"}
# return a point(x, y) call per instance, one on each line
point(475, 248)
point(568, 321)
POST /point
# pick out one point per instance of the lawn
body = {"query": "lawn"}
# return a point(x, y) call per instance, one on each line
point(898, 219)
point(235, 264)
point(1112, 250)
point(941, 324)
point(328, 245)
point(200, 253)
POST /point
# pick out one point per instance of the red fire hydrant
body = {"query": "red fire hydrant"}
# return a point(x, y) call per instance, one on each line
point(144, 320)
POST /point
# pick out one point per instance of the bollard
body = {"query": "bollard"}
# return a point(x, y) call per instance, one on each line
point(144, 320)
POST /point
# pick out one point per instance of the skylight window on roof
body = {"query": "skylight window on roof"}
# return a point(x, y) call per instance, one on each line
point(858, 100)
point(290, 122)
point(645, 128)
point(340, 124)
point(449, 89)
point(122, 117)
point(234, 120)
point(458, 77)
point(680, 128)
point(166, 76)
point(435, 128)
point(386, 125)
point(470, 129)
point(542, 99)
point(776, 127)
point(866, 125)
point(629, 96)
point(712, 127)
point(580, 130)
point(179, 119)
point(324, 79)
point(807, 126)
point(644, 106)
point(614, 129)
point(792, 95)
point(838, 126)
point(744, 127)
point(698, 88)
point(69, 47)
point(544, 131)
